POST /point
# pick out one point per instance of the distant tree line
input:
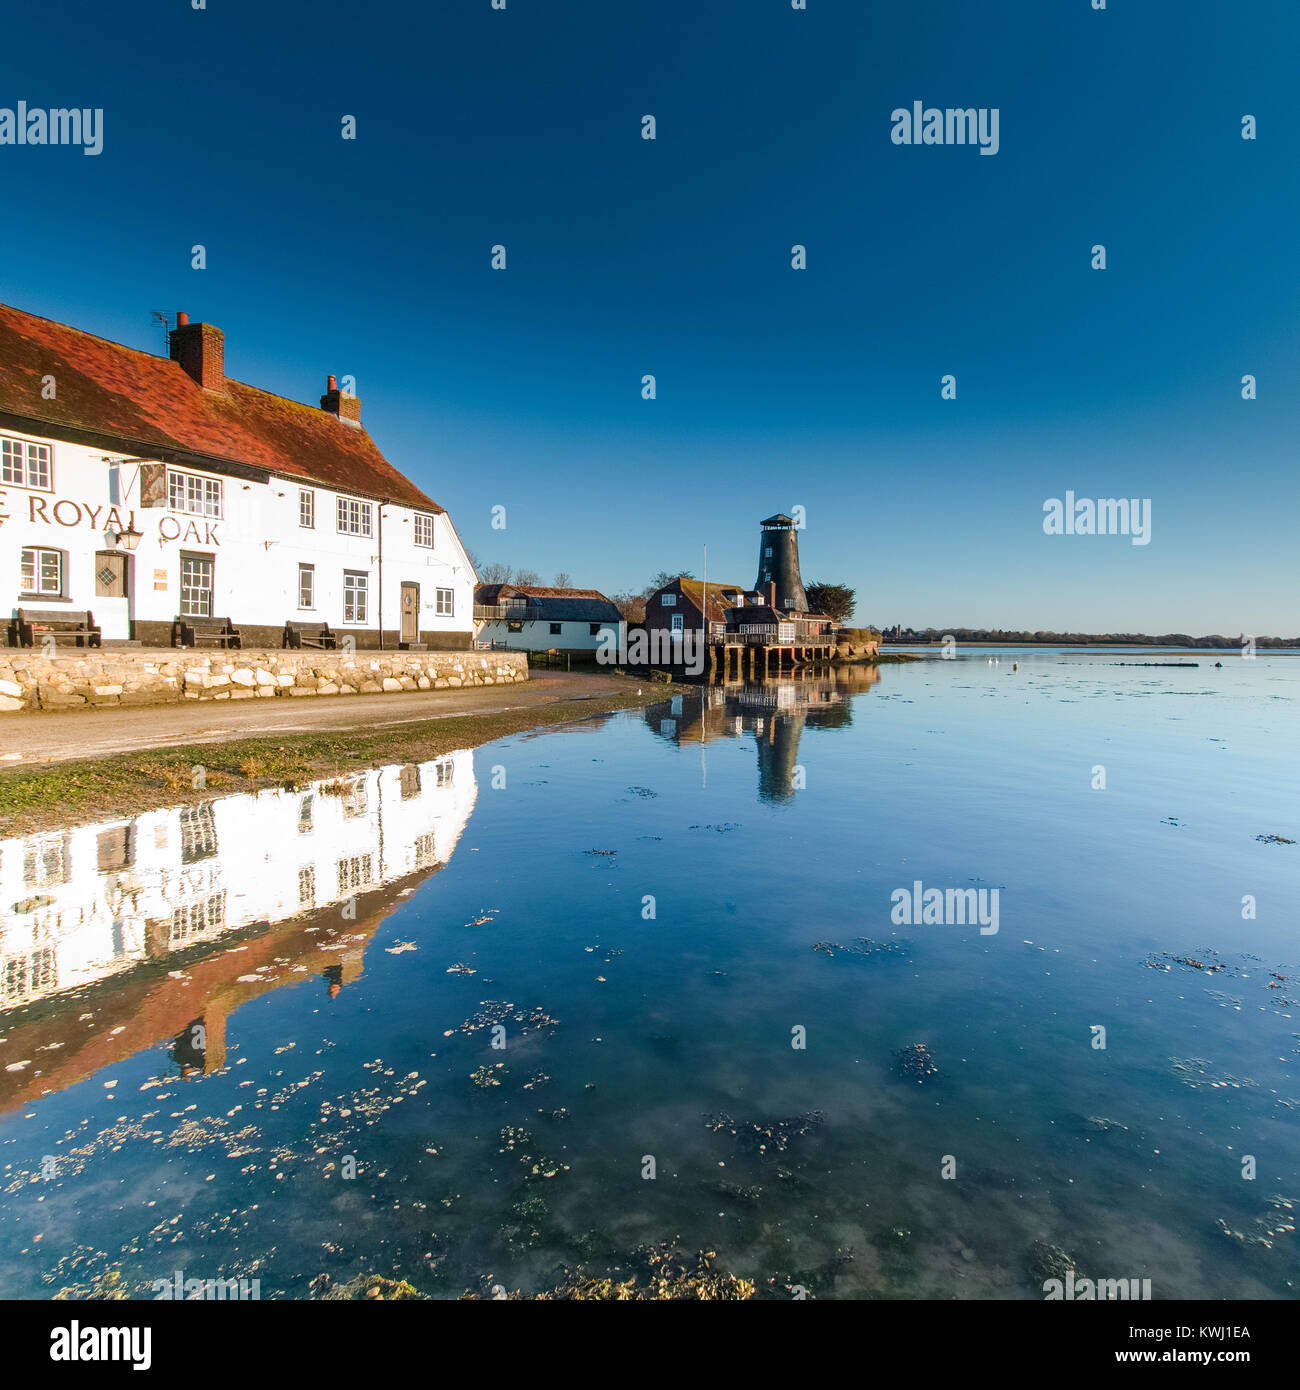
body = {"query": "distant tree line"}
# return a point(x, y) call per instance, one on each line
point(911, 635)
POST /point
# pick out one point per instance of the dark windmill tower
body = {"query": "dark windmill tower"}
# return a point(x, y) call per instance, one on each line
point(778, 563)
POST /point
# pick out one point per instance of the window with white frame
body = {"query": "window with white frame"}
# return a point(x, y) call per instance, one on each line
point(424, 529)
point(42, 571)
point(355, 872)
point(354, 516)
point(678, 624)
point(306, 507)
point(355, 800)
point(23, 975)
point(306, 586)
point(188, 492)
point(194, 919)
point(669, 600)
point(356, 596)
point(198, 833)
point(47, 861)
point(25, 465)
point(444, 601)
point(196, 586)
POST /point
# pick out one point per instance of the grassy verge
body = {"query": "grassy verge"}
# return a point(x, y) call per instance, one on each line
point(63, 794)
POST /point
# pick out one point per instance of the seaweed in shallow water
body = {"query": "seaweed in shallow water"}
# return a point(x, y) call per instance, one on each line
point(774, 1135)
point(915, 1062)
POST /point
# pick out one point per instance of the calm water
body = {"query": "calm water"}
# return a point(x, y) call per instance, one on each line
point(209, 1012)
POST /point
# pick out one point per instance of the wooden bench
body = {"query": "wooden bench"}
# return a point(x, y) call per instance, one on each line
point(62, 622)
point(299, 634)
point(189, 632)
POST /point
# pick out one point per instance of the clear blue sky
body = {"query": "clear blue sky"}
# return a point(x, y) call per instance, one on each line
point(776, 388)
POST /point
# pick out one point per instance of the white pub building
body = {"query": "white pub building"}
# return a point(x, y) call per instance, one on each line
point(158, 495)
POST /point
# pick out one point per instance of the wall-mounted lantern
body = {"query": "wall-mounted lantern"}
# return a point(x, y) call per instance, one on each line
point(127, 540)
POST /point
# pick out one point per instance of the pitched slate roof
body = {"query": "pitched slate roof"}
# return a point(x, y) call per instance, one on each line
point(718, 605)
point(150, 403)
point(757, 614)
point(555, 605)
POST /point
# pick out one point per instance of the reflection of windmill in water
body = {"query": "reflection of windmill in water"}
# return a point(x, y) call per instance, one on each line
point(779, 773)
point(775, 713)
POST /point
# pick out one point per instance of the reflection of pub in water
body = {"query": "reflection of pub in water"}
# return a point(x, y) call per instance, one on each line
point(133, 921)
point(774, 712)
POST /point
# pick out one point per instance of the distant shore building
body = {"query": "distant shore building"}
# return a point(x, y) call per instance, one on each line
point(158, 494)
point(528, 617)
point(680, 606)
point(774, 613)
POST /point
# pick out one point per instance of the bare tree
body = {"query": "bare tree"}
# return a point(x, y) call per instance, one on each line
point(563, 580)
point(494, 573)
point(657, 581)
point(630, 606)
point(527, 577)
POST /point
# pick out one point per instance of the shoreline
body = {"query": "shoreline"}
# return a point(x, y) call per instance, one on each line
point(1101, 648)
point(57, 793)
point(126, 775)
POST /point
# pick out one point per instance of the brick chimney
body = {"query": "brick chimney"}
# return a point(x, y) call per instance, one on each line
point(201, 350)
point(771, 596)
point(346, 407)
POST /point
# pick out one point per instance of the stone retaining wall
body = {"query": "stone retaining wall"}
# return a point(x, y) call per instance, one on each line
point(29, 682)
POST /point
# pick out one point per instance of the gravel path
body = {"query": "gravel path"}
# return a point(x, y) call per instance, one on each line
point(30, 740)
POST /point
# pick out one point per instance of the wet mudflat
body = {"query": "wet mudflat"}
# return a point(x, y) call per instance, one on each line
point(621, 1010)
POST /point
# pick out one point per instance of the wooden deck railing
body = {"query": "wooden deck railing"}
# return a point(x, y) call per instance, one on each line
point(511, 612)
point(770, 639)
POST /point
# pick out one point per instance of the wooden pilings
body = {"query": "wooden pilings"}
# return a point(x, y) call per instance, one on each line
point(754, 659)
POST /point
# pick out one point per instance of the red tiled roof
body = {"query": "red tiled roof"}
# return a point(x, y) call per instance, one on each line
point(146, 401)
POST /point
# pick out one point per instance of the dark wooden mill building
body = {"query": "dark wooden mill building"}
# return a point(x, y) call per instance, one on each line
point(768, 626)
